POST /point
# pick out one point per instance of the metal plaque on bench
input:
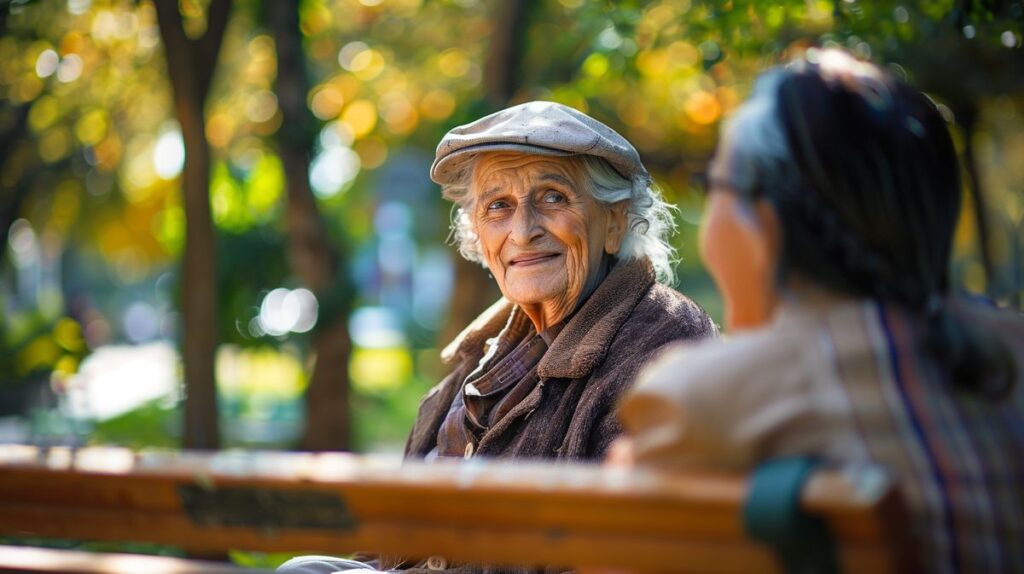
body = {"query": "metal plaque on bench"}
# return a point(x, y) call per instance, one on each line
point(264, 508)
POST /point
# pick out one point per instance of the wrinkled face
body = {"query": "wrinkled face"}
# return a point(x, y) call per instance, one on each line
point(541, 232)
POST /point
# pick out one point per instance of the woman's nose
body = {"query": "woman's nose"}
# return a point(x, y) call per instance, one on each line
point(525, 226)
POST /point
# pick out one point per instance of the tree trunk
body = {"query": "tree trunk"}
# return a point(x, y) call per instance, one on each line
point(190, 66)
point(8, 142)
point(310, 252)
point(474, 290)
point(11, 206)
point(504, 60)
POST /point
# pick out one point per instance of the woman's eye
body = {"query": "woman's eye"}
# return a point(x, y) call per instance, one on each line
point(553, 197)
point(495, 205)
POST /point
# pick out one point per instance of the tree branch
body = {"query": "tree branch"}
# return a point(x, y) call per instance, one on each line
point(207, 48)
point(179, 52)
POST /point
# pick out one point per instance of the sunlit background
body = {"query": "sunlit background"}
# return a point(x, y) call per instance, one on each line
point(92, 155)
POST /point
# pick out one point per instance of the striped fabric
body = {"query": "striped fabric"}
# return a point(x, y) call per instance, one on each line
point(960, 457)
point(851, 381)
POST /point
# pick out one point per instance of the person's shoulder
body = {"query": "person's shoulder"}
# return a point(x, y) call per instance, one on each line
point(664, 308)
point(694, 403)
point(735, 351)
point(725, 403)
point(717, 364)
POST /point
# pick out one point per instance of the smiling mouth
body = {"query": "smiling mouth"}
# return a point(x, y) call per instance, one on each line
point(532, 259)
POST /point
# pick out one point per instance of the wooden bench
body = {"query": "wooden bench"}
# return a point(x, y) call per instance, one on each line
point(509, 513)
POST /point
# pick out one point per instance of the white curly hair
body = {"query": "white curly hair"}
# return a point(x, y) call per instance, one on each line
point(650, 219)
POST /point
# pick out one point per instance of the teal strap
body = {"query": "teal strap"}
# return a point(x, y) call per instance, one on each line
point(772, 515)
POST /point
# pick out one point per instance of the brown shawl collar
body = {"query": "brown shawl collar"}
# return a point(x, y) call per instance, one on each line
point(584, 341)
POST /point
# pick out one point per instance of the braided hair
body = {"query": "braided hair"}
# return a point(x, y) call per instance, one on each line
point(864, 177)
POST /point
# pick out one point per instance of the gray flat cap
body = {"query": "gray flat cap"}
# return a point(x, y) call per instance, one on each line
point(544, 128)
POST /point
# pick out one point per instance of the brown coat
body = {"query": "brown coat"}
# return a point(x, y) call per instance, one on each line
point(570, 413)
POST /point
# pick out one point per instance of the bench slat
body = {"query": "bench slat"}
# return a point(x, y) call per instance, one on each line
point(511, 513)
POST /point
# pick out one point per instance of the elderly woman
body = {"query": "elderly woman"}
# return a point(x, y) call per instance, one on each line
point(834, 198)
point(562, 212)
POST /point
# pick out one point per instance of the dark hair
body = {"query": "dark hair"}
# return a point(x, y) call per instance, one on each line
point(866, 185)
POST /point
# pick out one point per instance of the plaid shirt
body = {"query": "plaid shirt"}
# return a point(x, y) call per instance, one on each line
point(852, 382)
point(505, 376)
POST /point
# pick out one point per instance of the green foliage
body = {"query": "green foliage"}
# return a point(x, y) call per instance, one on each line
point(127, 547)
point(382, 420)
point(151, 425)
point(34, 344)
point(265, 560)
point(242, 282)
point(87, 153)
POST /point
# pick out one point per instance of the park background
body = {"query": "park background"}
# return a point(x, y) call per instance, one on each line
point(218, 229)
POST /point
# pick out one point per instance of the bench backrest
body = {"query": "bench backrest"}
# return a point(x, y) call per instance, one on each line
point(511, 513)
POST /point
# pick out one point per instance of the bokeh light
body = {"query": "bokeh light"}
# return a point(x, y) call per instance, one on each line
point(360, 117)
point(46, 64)
point(70, 68)
point(332, 170)
point(376, 328)
point(283, 311)
point(169, 154)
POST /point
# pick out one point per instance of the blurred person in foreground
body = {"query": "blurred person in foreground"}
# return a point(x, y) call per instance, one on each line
point(833, 201)
point(563, 214)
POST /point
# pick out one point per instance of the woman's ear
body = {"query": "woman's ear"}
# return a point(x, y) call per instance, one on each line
point(616, 227)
